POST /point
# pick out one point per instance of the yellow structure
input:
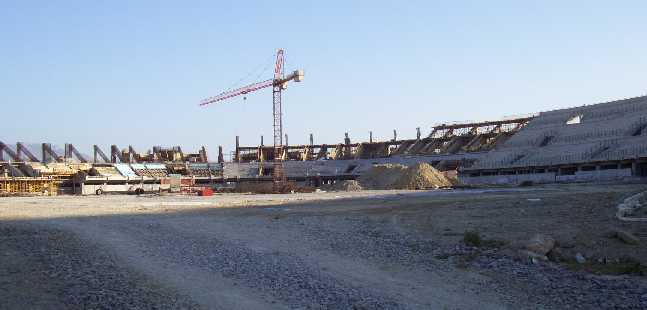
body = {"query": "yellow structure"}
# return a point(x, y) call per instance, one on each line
point(42, 186)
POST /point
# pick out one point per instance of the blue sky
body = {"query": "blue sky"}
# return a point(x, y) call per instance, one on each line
point(133, 72)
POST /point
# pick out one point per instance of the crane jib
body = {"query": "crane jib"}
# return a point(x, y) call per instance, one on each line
point(240, 91)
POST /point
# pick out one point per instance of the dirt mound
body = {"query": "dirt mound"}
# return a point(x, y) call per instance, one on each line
point(390, 176)
point(422, 176)
point(343, 186)
point(382, 176)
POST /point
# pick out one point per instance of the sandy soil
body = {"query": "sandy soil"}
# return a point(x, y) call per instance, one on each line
point(359, 250)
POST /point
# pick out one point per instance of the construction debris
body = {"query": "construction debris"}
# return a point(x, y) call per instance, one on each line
point(630, 207)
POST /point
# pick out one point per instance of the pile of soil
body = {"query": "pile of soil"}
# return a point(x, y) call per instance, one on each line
point(343, 186)
point(422, 176)
point(382, 176)
point(389, 176)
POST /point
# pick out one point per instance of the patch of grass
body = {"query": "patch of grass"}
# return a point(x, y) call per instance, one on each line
point(472, 238)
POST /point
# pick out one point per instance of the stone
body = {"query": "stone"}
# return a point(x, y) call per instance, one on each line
point(626, 237)
point(579, 258)
point(540, 244)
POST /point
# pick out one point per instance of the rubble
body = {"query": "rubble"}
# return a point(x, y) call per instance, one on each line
point(631, 207)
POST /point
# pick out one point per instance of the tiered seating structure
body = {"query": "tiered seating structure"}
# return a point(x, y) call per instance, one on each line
point(606, 132)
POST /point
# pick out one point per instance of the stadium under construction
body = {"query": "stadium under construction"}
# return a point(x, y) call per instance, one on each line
point(592, 143)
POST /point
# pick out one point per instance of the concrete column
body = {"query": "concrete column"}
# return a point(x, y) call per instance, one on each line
point(68, 151)
point(18, 151)
point(45, 154)
point(237, 151)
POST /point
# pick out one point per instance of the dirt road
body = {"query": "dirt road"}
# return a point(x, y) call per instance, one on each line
point(366, 250)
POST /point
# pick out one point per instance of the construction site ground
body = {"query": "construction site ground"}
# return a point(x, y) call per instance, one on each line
point(325, 250)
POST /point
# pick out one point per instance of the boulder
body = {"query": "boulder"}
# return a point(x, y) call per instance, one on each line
point(540, 244)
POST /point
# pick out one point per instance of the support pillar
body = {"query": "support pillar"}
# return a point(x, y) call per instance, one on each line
point(67, 154)
point(346, 151)
point(237, 151)
point(45, 153)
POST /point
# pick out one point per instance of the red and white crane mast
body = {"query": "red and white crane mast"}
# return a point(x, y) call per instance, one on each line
point(279, 83)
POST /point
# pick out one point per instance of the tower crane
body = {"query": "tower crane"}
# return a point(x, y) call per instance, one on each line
point(278, 83)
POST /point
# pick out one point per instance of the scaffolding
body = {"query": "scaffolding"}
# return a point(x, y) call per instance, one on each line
point(29, 186)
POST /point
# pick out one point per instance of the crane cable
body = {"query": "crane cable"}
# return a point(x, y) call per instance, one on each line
point(250, 73)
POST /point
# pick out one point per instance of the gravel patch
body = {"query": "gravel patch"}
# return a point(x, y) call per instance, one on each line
point(274, 274)
point(43, 268)
point(551, 285)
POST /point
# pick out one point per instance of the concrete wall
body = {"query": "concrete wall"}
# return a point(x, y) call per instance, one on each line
point(549, 177)
point(596, 175)
point(336, 167)
point(513, 179)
